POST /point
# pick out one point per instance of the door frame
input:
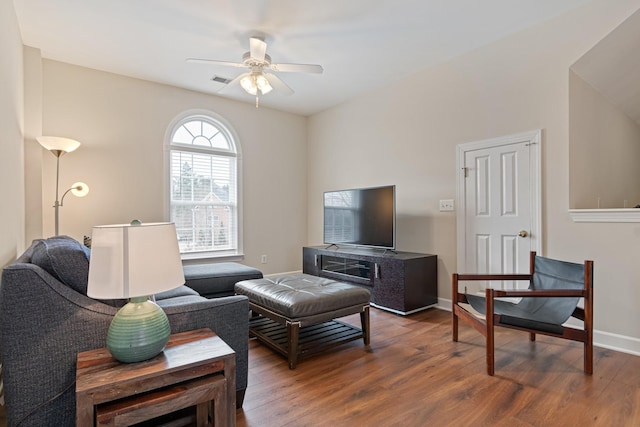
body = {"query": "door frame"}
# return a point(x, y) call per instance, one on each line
point(534, 139)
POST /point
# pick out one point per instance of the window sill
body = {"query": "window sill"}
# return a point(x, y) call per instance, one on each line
point(605, 215)
point(199, 258)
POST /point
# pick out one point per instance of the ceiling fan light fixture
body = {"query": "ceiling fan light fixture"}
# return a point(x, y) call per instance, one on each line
point(255, 81)
point(249, 85)
point(263, 84)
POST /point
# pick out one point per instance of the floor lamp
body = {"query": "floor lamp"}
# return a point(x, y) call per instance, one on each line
point(59, 146)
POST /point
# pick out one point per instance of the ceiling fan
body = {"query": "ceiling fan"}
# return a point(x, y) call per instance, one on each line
point(257, 61)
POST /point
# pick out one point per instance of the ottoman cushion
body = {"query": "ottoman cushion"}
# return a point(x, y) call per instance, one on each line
point(302, 295)
point(217, 279)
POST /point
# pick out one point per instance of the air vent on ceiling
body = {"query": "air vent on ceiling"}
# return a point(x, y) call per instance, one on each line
point(223, 80)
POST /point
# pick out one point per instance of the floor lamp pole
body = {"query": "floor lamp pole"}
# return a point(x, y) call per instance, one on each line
point(56, 204)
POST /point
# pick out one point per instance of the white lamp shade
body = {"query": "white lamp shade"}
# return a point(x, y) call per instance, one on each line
point(53, 143)
point(134, 260)
point(79, 189)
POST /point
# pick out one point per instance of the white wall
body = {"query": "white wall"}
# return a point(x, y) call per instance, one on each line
point(121, 123)
point(11, 136)
point(604, 150)
point(406, 134)
point(34, 154)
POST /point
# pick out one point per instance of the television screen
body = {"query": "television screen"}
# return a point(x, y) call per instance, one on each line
point(361, 217)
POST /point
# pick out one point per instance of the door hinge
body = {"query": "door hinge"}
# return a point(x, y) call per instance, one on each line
point(466, 171)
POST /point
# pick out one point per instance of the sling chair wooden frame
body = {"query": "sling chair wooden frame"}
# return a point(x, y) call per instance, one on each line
point(486, 326)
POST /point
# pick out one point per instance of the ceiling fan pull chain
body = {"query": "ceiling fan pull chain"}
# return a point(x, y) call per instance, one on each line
point(256, 101)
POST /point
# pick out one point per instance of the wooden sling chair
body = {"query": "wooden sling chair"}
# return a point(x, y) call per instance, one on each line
point(555, 287)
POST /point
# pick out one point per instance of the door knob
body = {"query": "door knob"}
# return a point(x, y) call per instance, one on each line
point(523, 233)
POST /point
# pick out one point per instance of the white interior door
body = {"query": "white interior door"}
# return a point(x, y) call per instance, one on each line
point(498, 216)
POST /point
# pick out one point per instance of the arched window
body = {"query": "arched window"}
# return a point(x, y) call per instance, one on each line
point(203, 186)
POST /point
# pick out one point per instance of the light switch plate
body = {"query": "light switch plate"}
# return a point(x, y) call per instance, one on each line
point(446, 205)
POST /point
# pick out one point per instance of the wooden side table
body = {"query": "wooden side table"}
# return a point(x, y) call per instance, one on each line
point(196, 368)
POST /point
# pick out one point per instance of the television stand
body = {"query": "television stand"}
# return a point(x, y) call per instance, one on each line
point(400, 282)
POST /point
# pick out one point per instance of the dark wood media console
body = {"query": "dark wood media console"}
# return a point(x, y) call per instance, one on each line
point(401, 282)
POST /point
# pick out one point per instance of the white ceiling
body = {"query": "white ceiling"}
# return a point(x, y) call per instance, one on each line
point(361, 44)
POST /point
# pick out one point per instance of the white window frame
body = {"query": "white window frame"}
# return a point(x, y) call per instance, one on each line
point(231, 136)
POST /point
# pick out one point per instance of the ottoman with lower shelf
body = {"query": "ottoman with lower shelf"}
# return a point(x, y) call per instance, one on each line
point(295, 314)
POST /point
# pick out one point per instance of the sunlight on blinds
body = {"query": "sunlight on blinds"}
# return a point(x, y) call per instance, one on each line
point(203, 189)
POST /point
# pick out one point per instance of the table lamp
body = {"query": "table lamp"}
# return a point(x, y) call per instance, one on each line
point(135, 261)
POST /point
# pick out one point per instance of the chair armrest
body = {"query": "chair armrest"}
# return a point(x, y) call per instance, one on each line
point(540, 293)
point(493, 276)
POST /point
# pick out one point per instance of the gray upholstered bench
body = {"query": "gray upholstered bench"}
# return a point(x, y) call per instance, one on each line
point(216, 280)
point(295, 313)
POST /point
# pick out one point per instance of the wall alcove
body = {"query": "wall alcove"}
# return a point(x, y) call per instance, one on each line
point(604, 128)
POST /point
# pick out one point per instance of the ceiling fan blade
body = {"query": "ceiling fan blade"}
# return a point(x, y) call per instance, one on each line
point(278, 84)
point(257, 48)
point(216, 62)
point(298, 68)
point(233, 83)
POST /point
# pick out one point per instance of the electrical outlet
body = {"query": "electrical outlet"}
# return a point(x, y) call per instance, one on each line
point(263, 259)
point(446, 205)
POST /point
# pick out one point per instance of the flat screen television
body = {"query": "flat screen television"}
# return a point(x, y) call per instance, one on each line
point(361, 217)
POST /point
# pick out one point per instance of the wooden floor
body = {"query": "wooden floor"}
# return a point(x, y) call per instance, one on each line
point(412, 374)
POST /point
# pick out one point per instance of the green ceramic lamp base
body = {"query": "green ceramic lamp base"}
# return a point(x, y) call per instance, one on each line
point(139, 331)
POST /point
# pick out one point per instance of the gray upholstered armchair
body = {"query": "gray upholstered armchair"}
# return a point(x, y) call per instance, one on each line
point(46, 319)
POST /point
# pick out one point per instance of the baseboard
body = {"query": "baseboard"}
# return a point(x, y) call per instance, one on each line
point(403, 313)
point(444, 304)
point(611, 341)
point(280, 274)
point(616, 342)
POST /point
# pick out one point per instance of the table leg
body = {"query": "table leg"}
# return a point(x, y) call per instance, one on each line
point(227, 408)
point(364, 319)
point(203, 413)
point(293, 331)
point(84, 410)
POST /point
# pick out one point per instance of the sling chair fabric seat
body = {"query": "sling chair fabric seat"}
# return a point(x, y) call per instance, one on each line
point(546, 314)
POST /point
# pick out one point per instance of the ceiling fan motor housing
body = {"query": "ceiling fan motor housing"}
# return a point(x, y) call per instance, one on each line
point(249, 61)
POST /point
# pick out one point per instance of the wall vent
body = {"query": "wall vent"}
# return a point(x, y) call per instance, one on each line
point(222, 80)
